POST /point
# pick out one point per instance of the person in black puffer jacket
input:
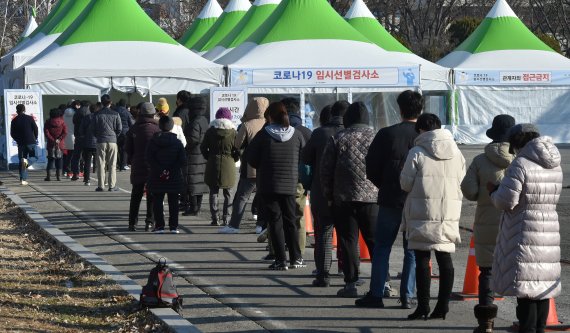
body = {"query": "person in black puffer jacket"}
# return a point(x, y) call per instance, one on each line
point(126, 122)
point(78, 116)
point(88, 142)
point(165, 156)
point(351, 196)
point(274, 152)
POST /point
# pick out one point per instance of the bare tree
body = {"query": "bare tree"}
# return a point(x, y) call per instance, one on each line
point(552, 17)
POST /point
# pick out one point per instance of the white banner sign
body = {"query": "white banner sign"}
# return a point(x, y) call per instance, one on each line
point(231, 98)
point(32, 100)
point(490, 78)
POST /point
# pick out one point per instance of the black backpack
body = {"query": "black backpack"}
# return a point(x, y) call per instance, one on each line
point(160, 290)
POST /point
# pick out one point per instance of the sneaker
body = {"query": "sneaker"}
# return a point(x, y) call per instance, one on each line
point(254, 217)
point(98, 189)
point(360, 282)
point(25, 163)
point(299, 263)
point(406, 303)
point(369, 301)
point(69, 175)
point(228, 230)
point(87, 183)
point(158, 231)
point(174, 231)
point(113, 189)
point(278, 266)
point(126, 167)
point(269, 257)
point(388, 291)
point(258, 229)
point(23, 182)
point(348, 291)
point(262, 236)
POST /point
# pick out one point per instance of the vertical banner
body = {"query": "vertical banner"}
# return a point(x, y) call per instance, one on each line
point(234, 99)
point(32, 100)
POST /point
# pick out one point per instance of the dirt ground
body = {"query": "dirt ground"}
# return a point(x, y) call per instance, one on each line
point(45, 289)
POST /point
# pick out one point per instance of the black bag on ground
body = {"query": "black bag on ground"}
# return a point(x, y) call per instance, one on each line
point(160, 290)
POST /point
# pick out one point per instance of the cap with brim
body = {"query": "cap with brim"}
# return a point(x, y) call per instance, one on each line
point(499, 131)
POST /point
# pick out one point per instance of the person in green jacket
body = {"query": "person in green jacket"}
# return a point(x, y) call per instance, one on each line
point(218, 149)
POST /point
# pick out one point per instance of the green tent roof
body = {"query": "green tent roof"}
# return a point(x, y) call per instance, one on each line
point(233, 13)
point(362, 19)
point(66, 17)
point(305, 20)
point(113, 20)
point(52, 17)
point(205, 20)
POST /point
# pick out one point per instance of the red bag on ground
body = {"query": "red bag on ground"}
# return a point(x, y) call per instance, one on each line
point(160, 290)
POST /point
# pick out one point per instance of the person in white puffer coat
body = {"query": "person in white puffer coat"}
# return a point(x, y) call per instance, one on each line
point(432, 177)
point(526, 261)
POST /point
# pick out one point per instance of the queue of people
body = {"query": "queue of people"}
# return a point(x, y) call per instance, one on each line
point(410, 177)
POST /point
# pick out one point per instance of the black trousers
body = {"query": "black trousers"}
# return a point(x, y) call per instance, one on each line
point(214, 192)
point(122, 157)
point(532, 315)
point(136, 198)
point(158, 207)
point(486, 295)
point(423, 279)
point(349, 219)
point(279, 211)
point(54, 162)
point(323, 225)
point(88, 157)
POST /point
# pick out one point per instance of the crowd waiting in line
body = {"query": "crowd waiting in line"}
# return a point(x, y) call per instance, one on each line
point(409, 177)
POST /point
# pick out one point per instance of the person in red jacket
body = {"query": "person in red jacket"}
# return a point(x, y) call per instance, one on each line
point(55, 131)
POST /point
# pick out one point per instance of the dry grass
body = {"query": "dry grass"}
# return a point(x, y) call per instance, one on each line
point(43, 288)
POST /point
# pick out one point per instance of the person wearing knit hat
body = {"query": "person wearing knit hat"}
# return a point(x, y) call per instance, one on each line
point(162, 107)
point(490, 166)
point(218, 149)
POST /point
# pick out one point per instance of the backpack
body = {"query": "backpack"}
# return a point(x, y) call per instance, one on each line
point(160, 290)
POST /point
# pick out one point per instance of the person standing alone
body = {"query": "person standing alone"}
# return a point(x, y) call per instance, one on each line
point(24, 131)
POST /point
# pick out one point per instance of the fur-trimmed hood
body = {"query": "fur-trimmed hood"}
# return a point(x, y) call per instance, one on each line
point(222, 124)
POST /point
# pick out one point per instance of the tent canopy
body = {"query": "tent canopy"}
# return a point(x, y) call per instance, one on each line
point(252, 20)
point(30, 27)
point(114, 44)
point(233, 13)
point(205, 20)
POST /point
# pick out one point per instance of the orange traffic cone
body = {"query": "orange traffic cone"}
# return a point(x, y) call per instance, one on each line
point(308, 218)
point(552, 322)
point(471, 281)
point(364, 254)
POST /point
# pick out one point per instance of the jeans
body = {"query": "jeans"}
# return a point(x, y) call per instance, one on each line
point(387, 227)
point(158, 207)
point(28, 152)
point(214, 191)
point(279, 210)
point(532, 315)
point(89, 155)
point(349, 218)
point(75, 159)
point(106, 161)
point(136, 198)
point(243, 192)
point(486, 295)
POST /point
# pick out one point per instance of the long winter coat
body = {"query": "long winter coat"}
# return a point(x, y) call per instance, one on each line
point(526, 263)
point(432, 176)
point(136, 142)
point(196, 164)
point(218, 149)
point(86, 136)
point(487, 167)
point(252, 123)
point(55, 129)
point(69, 141)
point(165, 153)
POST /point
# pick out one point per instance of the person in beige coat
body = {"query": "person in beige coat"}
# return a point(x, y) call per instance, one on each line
point(526, 262)
point(432, 177)
point(487, 167)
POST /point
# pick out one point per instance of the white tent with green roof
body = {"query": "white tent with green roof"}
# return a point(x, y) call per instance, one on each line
point(203, 22)
point(503, 68)
point(30, 26)
point(115, 45)
point(233, 13)
point(255, 16)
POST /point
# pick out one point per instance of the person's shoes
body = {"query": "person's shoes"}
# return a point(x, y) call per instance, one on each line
point(269, 257)
point(24, 183)
point(132, 228)
point(87, 183)
point(174, 231)
point(388, 291)
point(126, 167)
point(419, 313)
point(258, 229)
point(278, 266)
point(254, 217)
point(147, 225)
point(406, 303)
point(299, 263)
point(228, 230)
point(360, 282)
point(369, 301)
point(69, 175)
point(215, 222)
point(98, 189)
point(321, 282)
point(113, 189)
point(47, 179)
point(262, 236)
point(348, 291)
point(439, 312)
point(74, 177)
point(158, 231)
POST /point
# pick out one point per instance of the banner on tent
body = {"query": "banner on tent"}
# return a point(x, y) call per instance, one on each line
point(487, 78)
point(32, 100)
point(335, 77)
point(234, 99)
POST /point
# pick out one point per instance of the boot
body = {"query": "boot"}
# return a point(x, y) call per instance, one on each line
point(215, 221)
point(48, 176)
point(57, 174)
point(423, 281)
point(446, 277)
point(485, 315)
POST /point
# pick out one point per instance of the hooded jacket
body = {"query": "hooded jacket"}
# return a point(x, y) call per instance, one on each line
point(195, 131)
point(252, 123)
point(55, 129)
point(69, 141)
point(218, 149)
point(432, 176)
point(165, 153)
point(526, 263)
point(275, 153)
point(136, 142)
point(487, 167)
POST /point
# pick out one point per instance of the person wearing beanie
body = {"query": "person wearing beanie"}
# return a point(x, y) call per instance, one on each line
point(252, 122)
point(487, 167)
point(166, 157)
point(162, 107)
point(218, 149)
point(351, 197)
point(136, 143)
point(526, 261)
point(196, 166)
